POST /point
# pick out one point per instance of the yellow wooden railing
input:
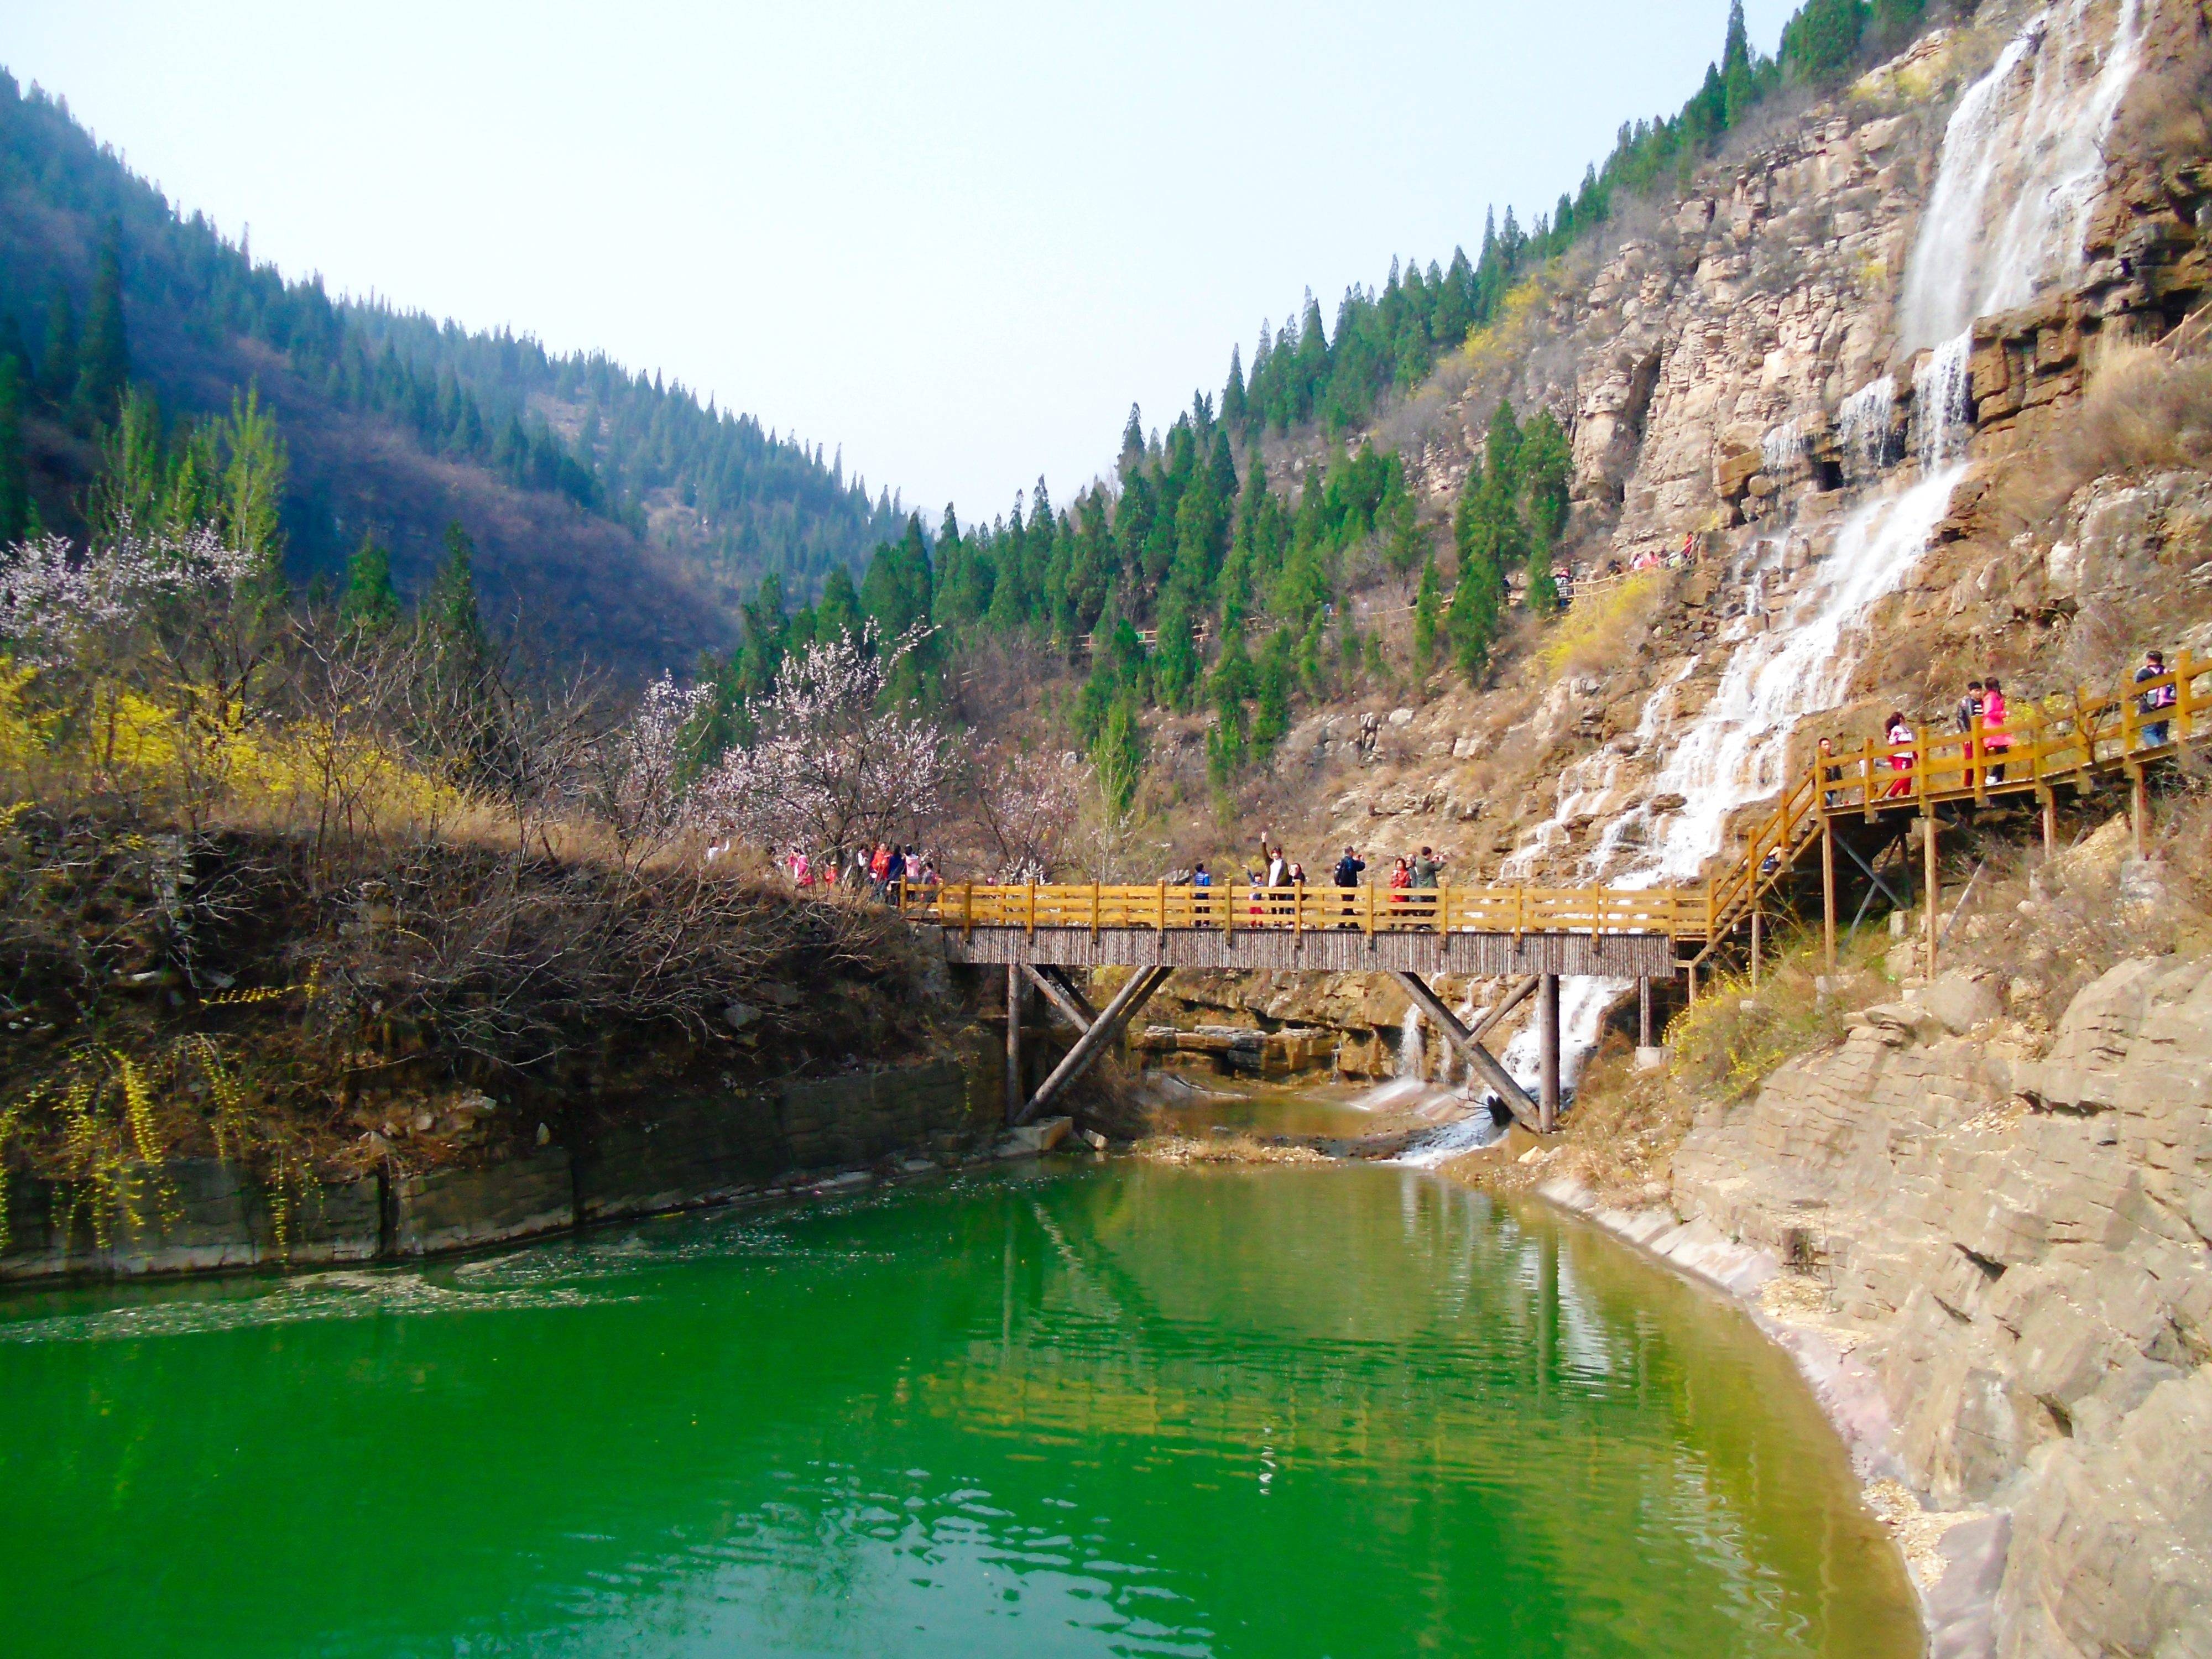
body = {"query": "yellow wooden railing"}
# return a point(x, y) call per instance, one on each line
point(1368, 909)
point(2044, 743)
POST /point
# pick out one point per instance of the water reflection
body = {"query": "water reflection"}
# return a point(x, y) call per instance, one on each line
point(1130, 1410)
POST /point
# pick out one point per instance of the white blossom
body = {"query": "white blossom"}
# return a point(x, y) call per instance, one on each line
point(828, 767)
point(52, 597)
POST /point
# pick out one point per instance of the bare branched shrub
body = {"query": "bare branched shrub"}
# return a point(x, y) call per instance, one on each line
point(2142, 409)
point(1029, 803)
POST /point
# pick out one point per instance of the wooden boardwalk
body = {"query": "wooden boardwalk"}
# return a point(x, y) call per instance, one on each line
point(2084, 741)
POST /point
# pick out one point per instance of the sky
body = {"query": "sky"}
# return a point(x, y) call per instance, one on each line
point(956, 240)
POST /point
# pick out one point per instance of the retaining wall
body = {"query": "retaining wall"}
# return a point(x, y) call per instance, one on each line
point(204, 1214)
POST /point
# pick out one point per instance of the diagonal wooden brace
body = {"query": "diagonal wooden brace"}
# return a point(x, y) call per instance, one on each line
point(1514, 1096)
point(1131, 997)
point(1066, 1000)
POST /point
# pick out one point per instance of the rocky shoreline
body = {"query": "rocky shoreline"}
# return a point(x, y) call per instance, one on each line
point(1994, 1267)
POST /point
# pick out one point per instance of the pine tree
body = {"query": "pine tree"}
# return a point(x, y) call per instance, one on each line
point(1271, 720)
point(126, 496)
point(1470, 624)
point(1541, 596)
point(1133, 442)
point(104, 359)
point(1428, 607)
point(450, 614)
point(253, 481)
point(1822, 39)
point(1546, 467)
point(15, 480)
point(57, 366)
point(369, 604)
point(838, 612)
point(1118, 757)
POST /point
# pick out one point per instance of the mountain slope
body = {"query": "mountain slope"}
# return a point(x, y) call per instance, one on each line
point(618, 511)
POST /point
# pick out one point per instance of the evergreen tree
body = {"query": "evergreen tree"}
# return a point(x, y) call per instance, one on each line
point(1271, 720)
point(1542, 594)
point(1133, 442)
point(1546, 466)
point(1471, 623)
point(838, 612)
point(253, 490)
point(1821, 40)
point(15, 480)
point(1118, 757)
point(127, 494)
point(450, 614)
point(1428, 607)
point(369, 604)
point(57, 367)
point(104, 359)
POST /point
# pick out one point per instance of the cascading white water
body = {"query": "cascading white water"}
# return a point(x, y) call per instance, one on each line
point(1781, 450)
point(2023, 160)
point(1413, 1045)
point(1864, 423)
point(2022, 163)
point(1943, 401)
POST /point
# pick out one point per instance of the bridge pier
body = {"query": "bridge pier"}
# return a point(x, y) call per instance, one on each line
point(1109, 1024)
point(1470, 1044)
point(1547, 1037)
point(1015, 1085)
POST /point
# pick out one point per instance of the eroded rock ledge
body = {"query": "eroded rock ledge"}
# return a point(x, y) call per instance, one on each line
point(1994, 1267)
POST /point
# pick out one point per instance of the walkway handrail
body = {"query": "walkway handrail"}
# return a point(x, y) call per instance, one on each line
point(2067, 737)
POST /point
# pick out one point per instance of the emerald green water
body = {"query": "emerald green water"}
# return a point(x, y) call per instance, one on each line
point(1120, 1410)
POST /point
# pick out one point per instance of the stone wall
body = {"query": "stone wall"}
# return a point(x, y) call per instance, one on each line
point(205, 1214)
point(2014, 1247)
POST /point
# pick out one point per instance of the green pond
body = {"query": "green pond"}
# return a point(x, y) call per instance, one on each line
point(1118, 1408)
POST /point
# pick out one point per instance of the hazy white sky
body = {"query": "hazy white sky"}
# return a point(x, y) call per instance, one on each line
point(959, 240)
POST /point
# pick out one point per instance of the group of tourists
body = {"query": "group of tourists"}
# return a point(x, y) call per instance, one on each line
point(886, 871)
point(1273, 882)
point(1981, 720)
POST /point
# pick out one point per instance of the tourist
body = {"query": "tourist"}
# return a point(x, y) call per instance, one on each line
point(2158, 697)
point(1896, 732)
point(1997, 739)
point(1969, 722)
point(1829, 774)
point(1401, 882)
point(802, 872)
point(1346, 876)
point(895, 875)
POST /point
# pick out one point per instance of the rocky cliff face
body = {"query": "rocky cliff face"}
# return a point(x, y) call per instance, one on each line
point(2016, 1248)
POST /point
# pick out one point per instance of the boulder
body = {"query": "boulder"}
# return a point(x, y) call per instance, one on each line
point(1961, 1002)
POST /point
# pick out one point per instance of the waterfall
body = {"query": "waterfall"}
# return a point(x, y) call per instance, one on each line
point(2023, 159)
point(1781, 450)
point(1865, 424)
point(1943, 401)
point(1413, 1042)
point(2022, 163)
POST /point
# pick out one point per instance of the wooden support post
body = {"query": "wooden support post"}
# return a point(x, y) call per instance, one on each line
point(1693, 996)
point(1644, 1011)
point(2050, 826)
point(1547, 1037)
point(1754, 952)
point(1828, 892)
point(1934, 882)
point(1014, 1086)
point(1142, 982)
point(1470, 1044)
point(1064, 997)
point(2139, 808)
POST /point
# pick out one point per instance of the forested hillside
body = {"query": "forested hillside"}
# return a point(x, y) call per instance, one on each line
point(614, 508)
point(1213, 569)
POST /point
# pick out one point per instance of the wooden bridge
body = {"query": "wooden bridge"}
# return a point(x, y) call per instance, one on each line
point(1857, 802)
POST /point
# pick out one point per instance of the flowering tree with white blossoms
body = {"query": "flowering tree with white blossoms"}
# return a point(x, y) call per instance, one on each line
point(831, 766)
point(635, 774)
point(1029, 801)
point(55, 602)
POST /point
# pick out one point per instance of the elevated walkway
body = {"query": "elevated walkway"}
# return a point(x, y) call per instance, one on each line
point(1856, 804)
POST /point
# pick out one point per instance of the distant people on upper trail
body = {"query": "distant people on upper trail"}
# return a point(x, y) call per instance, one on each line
point(1896, 732)
point(2158, 697)
point(1995, 740)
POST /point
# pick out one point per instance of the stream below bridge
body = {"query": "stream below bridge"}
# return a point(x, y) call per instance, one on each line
point(1084, 1408)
